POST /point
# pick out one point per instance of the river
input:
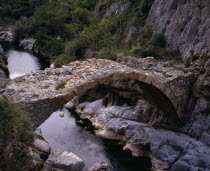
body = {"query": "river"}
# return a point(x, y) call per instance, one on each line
point(63, 134)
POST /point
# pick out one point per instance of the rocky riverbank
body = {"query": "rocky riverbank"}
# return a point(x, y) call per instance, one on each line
point(136, 126)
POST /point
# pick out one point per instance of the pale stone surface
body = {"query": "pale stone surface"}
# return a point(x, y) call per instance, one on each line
point(40, 149)
point(64, 161)
point(42, 145)
point(167, 149)
point(98, 167)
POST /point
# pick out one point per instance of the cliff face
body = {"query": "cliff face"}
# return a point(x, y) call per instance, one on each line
point(185, 23)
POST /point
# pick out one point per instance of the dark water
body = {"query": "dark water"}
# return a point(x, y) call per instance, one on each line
point(64, 134)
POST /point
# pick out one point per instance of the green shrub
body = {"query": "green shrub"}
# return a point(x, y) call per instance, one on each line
point(107, 54)
point(80, 15)
point(60, 85)
point(136, 49)
point(158, 39)
point(64, 59)
point(89, 4)
point(16, 134)
point(20, 31)
point(149, 52)
point(98, 35)
point(194, 58)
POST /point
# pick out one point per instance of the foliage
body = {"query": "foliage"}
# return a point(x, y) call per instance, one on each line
point(158, 39)
point(149, 52)
point(60, 85)
point(17, 8)
point(107, 54)
point(80, 15)
point(98, 35)
point(16, 134)
point(194, 58)
point(136, 49)
point(64, 59)
point(64, 28)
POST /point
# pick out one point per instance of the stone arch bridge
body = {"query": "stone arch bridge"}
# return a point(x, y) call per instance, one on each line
point(44, 92)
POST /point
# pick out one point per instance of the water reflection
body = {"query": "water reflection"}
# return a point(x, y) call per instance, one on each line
point(20, 63)
point(64, 134)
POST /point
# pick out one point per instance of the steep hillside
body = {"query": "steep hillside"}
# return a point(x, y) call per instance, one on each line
point(71, 30)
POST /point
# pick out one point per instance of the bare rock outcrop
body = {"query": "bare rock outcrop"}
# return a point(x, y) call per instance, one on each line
point(6, 34)
point(187, 148)
point(186, 25)
point(64, 161)
point(27, 44)
point(167, 149)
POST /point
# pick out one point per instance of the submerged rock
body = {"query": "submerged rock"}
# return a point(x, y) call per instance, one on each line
point(64, 161)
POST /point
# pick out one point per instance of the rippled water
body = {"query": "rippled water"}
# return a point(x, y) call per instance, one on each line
point(64, 134)
point(21, 63)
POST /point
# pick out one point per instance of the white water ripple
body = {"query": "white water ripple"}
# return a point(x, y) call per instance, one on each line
point(21, 63)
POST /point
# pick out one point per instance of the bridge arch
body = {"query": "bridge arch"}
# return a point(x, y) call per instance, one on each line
point(85, 75)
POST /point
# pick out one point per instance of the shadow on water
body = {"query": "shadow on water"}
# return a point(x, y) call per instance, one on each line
point(63, 134)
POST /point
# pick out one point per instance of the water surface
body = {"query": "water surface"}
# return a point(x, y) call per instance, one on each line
point(21, 63)
point(63, 134)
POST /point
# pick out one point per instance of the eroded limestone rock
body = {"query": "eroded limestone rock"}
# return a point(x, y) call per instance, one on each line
point(167, 149)
point(64, 161)
point(185, 25)
point(27, 44)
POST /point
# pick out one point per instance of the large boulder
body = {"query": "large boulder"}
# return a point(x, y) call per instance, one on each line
point(64, 161)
